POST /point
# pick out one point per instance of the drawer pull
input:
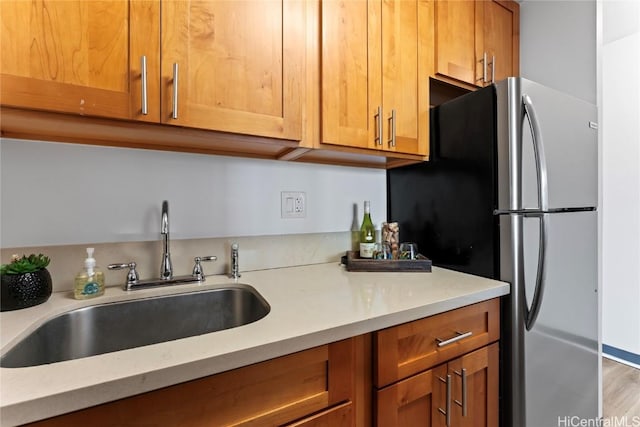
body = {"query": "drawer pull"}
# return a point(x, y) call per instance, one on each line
point(458, 337)
point(174, 114)
point(378, 119)
point(447, 411)
point(463, 404)
point(143, 76)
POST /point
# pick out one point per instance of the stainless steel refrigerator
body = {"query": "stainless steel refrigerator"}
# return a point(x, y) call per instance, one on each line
point(510, 193)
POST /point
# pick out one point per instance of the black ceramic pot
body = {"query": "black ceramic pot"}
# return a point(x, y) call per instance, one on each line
point(24, 290)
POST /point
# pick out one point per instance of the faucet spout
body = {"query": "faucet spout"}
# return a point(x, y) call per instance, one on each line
point(166, 271)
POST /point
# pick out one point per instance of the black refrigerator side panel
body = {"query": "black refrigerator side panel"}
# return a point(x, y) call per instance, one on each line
point(446, 205)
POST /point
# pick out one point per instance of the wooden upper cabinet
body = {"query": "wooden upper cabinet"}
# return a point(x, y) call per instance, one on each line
point(501, 38)
point(240, 66)
point(351, 72)
point(80, 57)
point(407, 61)
point(376, 59)
point(456, 39)
point(477, 42)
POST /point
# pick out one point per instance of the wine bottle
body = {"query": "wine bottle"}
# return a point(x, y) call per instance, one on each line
point(367, 233)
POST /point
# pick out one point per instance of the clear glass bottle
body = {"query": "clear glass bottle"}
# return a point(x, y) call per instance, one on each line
point(367, 233)
point(89, 283)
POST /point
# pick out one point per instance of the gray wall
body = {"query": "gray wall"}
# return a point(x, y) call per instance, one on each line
point(558, 45)
point(57, 194)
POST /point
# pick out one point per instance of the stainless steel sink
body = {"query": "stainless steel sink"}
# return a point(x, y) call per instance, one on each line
point(118, 326)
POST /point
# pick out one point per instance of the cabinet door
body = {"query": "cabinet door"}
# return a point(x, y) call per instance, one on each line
point(474, 396)
point(239, 66)
point(406, 62)
point(500, 25)
point(409, 402)
point(81, 57)
point(455, 39)
point(351, 67)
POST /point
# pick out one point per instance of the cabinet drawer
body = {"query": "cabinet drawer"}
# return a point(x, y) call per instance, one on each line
point(338, 416)
point(404, 350)
point(269, 393)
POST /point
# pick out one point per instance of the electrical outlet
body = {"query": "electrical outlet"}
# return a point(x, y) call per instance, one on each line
point(293, 204)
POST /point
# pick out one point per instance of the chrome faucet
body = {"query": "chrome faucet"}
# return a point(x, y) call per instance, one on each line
point(166, 271)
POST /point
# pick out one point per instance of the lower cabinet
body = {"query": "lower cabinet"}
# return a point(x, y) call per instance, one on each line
point(439, 371)
point(311, 388)
point(442, 370)
point(463, 392)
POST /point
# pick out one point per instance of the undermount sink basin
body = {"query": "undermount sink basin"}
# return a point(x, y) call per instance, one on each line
point(104, 328)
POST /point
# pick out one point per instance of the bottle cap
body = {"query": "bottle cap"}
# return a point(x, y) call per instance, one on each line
point(90, 262)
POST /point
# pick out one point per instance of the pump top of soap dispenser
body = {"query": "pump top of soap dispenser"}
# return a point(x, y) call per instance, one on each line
point(90, 262)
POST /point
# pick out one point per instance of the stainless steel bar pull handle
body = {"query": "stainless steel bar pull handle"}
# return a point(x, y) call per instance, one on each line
point(174, 114)
point(484, 67)
point(483, 79)
point(463, 403)
point(143, 78)
point(392, 128)
point(459, 336)
point(493, 69)
point(447, 411)
point(378, 123)
point(543, 206)
point(536, 302)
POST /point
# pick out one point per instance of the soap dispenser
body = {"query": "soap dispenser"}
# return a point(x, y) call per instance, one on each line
point(89, 282)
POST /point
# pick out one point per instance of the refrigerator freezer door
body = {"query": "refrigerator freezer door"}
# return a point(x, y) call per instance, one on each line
point(568, 139)
point(561, 350)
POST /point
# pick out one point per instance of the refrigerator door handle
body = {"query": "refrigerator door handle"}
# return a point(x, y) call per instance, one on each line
point(531, 312)
point(538, 149)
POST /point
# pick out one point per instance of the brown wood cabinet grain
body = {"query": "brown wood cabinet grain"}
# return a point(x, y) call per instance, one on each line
point(376, 59)
point(407, 403)
point(239, 64)
point(338, 416)
point(480, 370)
point(271, 393)
point(477, 41)
point(407, 349)
point(339, 82)
point(417, 384)
point(81, 57)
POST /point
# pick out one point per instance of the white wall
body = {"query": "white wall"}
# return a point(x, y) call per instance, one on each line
point(56, 194)
point(621, 174)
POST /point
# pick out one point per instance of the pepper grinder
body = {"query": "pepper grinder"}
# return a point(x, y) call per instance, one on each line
point(235, 267)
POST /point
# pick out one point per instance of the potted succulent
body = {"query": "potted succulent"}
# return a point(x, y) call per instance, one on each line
point(25, 282)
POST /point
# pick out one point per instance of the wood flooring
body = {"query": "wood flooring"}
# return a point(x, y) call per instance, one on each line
point(620, 390)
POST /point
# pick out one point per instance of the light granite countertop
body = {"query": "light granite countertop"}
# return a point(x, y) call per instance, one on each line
point(310, 306)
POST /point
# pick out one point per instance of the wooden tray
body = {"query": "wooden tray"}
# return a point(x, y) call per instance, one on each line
point(353, 262)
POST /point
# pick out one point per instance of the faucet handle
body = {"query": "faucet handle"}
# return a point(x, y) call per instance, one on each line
point(198, 273)
point(132, 275)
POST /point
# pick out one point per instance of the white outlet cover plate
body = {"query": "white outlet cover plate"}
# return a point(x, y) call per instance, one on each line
point(293, 204)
